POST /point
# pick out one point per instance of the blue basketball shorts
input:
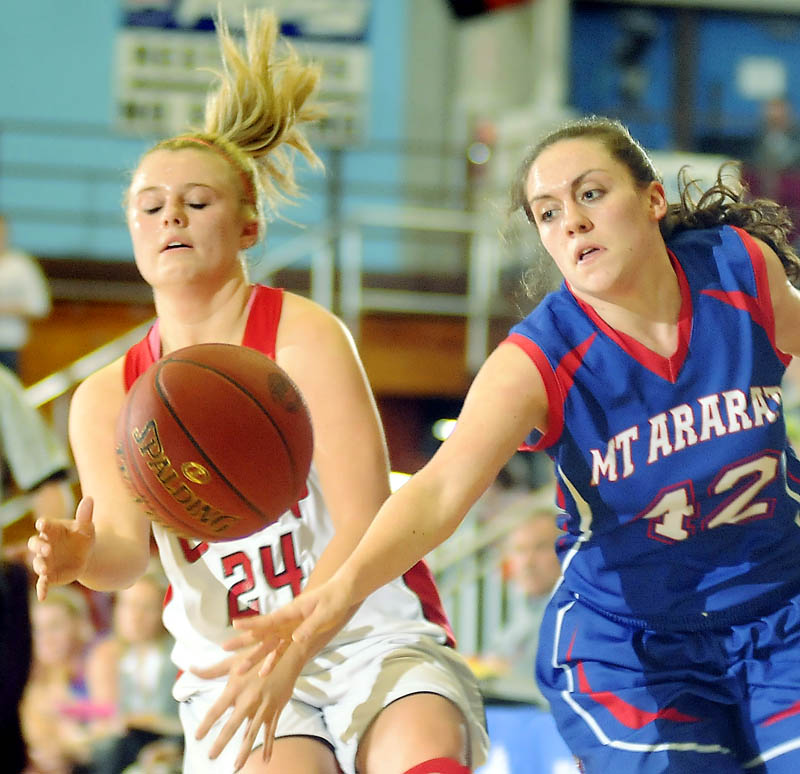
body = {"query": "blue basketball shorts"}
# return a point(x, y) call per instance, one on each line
point(644, 702)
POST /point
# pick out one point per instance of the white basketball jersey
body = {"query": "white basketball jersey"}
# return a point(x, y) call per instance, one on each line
point(211, 584)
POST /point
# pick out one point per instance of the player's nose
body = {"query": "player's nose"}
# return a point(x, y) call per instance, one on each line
point(174, 214)
point(575, 220)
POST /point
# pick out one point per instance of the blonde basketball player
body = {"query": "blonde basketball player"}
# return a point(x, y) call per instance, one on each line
point(387, 694)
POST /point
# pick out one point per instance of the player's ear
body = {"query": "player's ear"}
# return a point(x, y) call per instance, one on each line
point(657, 199)
point(249, 234)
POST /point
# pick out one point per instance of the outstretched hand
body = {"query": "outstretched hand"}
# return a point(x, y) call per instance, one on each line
point(252, 697)
point(61, 548)
point(269, 654)
point(310, 618)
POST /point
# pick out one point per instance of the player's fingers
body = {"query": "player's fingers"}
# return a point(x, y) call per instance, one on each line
point(215, 712)
point(268, 664)
point(220, 669)
point(272, 658)
point(40, 565)
point(241, 641)
point(247, 660)
point(316, 623)
point(247, 743)
point(34, 543)
point(282, 620)
point(226, 734)
point(269, 737)
point(41, 588)
point(38, 545)
point(267, 627)
point(83, 514)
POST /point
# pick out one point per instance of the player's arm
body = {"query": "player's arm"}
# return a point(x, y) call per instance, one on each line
point(785, 303)
point(506, 400)
point(350, 452)
point(122, 530)
point(106, 546)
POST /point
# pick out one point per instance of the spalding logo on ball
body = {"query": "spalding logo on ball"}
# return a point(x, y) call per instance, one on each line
point(216, 441)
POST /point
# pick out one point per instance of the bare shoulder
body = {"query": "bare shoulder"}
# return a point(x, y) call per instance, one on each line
point(510, 388)
point(510, 371)
point(106, 382)
point(306, 323)
point(99, 396)
point(304, 312)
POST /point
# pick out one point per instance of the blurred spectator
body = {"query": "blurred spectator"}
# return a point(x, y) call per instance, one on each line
point(791, 402)
point(532, 568)
point(24, 295)
point(15, 661)
point(31, 455)
point(58, 719)
point(131, 671)
point(163, 757)
point(32, 458)
point(778, 147)
point(773, 170)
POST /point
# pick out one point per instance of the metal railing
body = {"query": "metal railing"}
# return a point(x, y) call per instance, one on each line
point(482, 271)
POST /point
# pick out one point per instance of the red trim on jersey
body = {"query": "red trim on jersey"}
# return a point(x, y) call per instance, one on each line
point(560, 499)
point(571, 362)
point(761, 278)
point(555, 394)
point(787, 713)
point(261, 331)
point(439, 766)
point(419, 579)
point(666, 367)
point(760, 308)
point(624, 712)
point(138, 358)
point(739, 300)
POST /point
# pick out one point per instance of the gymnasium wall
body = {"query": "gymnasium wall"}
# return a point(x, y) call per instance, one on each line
point(62, 170)
point(691, 78)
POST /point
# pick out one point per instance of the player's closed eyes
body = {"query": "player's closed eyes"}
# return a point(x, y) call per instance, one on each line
point(193, 205)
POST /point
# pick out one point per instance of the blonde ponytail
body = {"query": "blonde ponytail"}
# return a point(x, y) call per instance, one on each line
point(255, 116)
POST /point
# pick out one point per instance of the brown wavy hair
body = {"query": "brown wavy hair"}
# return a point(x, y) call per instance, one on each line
point(726, 202)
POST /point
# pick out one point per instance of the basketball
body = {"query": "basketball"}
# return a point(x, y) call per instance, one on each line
point(216, 441)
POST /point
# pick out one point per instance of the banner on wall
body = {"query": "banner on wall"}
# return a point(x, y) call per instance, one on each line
point(165, 49)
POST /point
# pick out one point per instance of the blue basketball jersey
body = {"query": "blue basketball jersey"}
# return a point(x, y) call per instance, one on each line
point(680, 490)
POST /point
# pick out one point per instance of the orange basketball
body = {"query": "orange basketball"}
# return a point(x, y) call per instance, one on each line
point(216, 440)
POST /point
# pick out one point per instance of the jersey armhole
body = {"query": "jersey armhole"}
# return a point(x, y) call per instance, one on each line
point(555, 400)
point(264, 315)
point(763, 295)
